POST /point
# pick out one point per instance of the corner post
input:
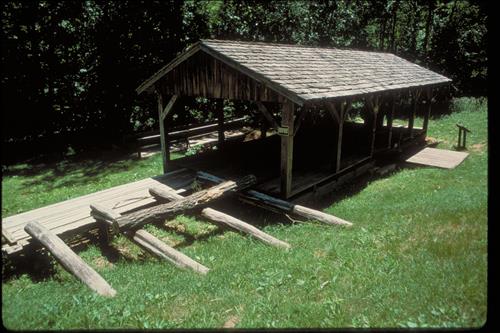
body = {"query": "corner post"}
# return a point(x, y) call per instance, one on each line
point(374, 103)
point(416, 95)
point(219, 104)
point(287, 122)
point(390, 117)
point(429, 107)
point(162, 115)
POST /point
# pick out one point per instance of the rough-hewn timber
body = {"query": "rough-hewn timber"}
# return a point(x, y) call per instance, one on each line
point(267, 201)
point(149, 242)
point(219, 217)
point(69, 259)
point(138, 218)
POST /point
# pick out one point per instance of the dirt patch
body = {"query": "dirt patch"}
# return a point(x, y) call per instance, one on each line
point(478, 147)
point(231, 322)
point(100, 262)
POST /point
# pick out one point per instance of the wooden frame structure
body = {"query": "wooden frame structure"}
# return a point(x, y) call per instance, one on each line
point(283, 74)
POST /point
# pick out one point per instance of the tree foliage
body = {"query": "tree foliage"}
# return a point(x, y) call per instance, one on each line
point(70, 67)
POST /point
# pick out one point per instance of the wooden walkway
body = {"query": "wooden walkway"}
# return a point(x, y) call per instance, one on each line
point(441, 158)
point(71, 217)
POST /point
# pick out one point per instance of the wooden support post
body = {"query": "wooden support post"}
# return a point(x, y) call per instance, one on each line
point(226, 219)
point(69, 259)
point(140, 217)
point(411, 120)
point(149, 242)
point(287, 124)
point(339, 113)
point(278, 205)
point(164, 140)
point(374, 104)
point(429, 107)
point(390, 118)
point(220, 119)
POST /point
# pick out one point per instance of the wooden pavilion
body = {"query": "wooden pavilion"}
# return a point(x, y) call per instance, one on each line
point(286, 83)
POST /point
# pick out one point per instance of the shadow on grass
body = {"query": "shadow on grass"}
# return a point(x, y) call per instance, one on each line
point(40, 266)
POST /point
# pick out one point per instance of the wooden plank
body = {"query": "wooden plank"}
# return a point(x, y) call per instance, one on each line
point(287, 120)
point(114, 191)
point(225, 219)
point(69, 259)
point(438, 157)
point(67, 208)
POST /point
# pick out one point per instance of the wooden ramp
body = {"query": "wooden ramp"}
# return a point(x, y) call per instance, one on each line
point(71, 217)
point(440, 158)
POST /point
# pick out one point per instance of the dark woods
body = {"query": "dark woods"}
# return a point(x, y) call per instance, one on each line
point(69, 68)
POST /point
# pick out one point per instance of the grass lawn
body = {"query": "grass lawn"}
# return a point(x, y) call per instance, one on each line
point(415, 257)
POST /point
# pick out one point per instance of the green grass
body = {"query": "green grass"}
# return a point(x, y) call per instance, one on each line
point(415, 257)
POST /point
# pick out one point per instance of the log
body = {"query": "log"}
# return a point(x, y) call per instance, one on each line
point(69, 259)
point(138, 218)
point(267, 201)
point(149, 242)
point(162, 250)
point(226, 219)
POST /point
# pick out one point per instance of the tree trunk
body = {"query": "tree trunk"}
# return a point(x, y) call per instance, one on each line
point(138, 218)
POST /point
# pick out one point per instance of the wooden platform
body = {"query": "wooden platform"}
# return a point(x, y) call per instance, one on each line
point(72, 216)
point(440, 158)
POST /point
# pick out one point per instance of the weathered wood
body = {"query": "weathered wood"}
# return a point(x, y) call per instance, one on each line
point(219, 104)
point(317, 215)
point(149, 242)
point(428, 93)
point(411, 120)
point(138, 218)
point(226, 219)
point(299, 119)
point(162, 250)
point(69, 259)
point(390, 118)
point(287, 121)
point(8, 236)
point(375, 104)
point(270, 118)
point(164, 139)
point(267, 201)
point(237, 224)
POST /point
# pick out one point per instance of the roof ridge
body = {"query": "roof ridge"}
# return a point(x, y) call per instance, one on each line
point(292, 45)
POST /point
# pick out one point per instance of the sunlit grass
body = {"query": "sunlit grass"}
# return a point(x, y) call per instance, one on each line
point(415, 257)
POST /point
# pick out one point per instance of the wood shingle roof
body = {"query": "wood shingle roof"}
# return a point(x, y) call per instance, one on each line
point(304, 73)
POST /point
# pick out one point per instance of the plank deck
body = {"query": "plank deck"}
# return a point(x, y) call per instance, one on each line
point(440, 158)
point(73, 216)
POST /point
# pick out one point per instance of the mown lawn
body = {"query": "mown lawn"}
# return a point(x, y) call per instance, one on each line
point(415, 257)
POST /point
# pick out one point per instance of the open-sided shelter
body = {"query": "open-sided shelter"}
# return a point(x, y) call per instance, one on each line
point(298, 80)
